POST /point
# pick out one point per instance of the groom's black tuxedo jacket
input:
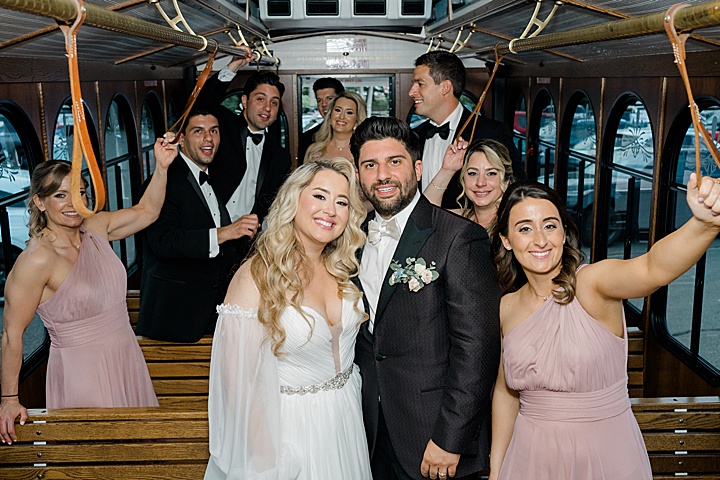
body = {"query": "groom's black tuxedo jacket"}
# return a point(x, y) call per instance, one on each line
point(433, 356)
point(484, 128)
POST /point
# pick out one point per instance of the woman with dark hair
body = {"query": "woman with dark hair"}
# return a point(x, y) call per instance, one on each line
point(560, 408)
point(485, 173)
point(70, 275)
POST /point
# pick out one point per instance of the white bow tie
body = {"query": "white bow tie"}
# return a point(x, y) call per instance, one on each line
point(376, 230)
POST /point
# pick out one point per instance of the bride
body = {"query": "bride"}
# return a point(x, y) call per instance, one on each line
point(284, 392)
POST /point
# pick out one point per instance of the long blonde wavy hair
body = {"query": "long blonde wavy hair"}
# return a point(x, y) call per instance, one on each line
point(279, 262)
point(325, 134)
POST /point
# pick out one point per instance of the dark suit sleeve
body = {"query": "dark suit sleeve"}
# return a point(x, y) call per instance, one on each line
point(212, 92)
point(169, 237)
point(472, 300)
point(276, 176)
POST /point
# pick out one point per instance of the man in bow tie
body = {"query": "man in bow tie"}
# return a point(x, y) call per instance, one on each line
point(438, 83)
point(188, 252)
point(429, 353)
point(251, 162)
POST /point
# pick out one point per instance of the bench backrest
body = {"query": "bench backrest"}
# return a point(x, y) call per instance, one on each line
point(117, 443)
point(682, 435)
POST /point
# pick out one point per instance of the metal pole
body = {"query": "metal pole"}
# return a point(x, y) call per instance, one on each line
point(65, 11)
point(689, 18)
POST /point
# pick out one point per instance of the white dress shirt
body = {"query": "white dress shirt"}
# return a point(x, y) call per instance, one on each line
point(242, 200)
point(212, 203)
point(376, 259)
point(435, 147)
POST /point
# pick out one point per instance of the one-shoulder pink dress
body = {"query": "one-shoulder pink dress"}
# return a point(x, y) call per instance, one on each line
point(575, 421)
point(95, 359)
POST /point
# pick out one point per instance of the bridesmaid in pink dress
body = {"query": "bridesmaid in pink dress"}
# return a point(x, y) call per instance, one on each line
point(69, 274)
point(560, 408)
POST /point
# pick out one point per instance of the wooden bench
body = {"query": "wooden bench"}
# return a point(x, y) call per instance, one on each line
point(179, 371)
point(108, 443)
point(636, 363)
point(682, 435)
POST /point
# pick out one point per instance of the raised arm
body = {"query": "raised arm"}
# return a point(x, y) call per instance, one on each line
point(452, 162)
point(127, 221)
point(23, 291)
point(670, 257)
point(214, 90)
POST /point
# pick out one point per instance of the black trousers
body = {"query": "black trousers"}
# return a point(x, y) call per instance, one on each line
point(385, 464)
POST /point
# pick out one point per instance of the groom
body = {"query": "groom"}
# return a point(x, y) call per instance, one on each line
point(429, 353)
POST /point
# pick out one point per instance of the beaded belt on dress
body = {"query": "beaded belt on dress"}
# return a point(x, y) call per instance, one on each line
point(335, 383)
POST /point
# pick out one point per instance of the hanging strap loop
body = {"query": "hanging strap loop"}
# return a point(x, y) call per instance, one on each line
point(678, 45)
point(193, 96)
point(476, 111)
point(81, 138)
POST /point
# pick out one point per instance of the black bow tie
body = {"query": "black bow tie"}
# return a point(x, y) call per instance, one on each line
point(443, 130)
point(258, 137)
point(204, 177)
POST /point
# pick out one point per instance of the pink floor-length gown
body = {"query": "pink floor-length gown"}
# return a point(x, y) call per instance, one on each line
point(575, 421)
point(95, 359)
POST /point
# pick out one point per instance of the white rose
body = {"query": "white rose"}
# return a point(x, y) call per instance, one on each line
point(419, 268)
point(414, 285)
point(426, 276)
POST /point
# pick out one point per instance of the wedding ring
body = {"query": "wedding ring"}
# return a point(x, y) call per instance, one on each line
point(441, 474)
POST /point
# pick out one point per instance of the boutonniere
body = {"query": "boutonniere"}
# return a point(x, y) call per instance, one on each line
point(416, 273)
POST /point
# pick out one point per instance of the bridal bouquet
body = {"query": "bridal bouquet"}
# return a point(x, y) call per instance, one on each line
point(416, 273)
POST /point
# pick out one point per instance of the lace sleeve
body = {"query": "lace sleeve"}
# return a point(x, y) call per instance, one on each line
point(244, 403)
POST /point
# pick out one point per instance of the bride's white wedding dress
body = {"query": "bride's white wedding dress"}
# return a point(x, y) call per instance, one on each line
point(297, 416)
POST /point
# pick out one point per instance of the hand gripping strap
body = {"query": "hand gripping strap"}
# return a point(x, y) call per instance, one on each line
point(81, 138)
point(678, 46)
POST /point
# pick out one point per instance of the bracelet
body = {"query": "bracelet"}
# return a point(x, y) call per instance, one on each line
point(439, 188)
point(8, 396)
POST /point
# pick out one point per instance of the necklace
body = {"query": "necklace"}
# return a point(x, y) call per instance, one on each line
point(544, 297)
point(63, 243)
point(340, 148)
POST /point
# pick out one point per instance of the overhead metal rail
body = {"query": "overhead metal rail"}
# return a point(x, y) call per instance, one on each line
point(690, 18)
point(65, 11)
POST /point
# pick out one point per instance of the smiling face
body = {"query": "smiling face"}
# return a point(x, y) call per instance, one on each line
point(388, 175)
point(430, 98)
point(323, 209)
point(324, 97)
point(483, 182)
point(58, 208)
point(344, 115)
point(201, 139)
point(261, 107)
point(536, 236)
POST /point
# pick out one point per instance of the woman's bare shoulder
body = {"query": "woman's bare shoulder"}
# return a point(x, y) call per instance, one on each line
point(37, 259)
point(243, 291)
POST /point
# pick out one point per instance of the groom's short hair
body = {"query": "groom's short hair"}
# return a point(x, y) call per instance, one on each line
point(380, 128)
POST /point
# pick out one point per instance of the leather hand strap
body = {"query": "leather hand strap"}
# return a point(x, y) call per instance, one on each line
point(478, 107)
point(81, 138)
point(678, 46)
point(193, 96)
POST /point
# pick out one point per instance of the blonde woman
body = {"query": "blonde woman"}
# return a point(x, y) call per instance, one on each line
point(346, 112)
point(284, 392)
point(485, 173)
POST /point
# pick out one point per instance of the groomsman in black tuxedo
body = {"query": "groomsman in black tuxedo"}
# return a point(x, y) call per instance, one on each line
point(429, 353)
point(251, 162)
point(188, 251)
point(438, 83)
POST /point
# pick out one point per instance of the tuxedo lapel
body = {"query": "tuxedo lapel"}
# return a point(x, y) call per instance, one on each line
point(265, 160)
point(417, 230)
point(194, 184)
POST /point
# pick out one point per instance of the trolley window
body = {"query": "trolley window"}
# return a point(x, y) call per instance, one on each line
point(151, 127)
point(690, 321)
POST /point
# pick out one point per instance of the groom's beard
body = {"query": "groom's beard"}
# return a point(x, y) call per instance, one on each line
point(389, 207)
